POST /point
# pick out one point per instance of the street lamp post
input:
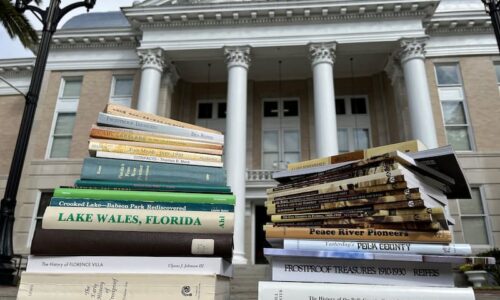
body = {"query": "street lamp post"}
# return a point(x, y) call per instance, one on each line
point(493, 9)
point(49, 17)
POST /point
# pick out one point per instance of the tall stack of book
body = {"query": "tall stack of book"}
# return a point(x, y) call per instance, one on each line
point(367, 225)
point(150, 216)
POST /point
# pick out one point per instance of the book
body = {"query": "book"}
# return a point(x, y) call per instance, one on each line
point(145, 205)
point(143, 196)
point(332, 291)
point(378, 247)
point(78, 218)
point(402, 273)
point(50, 242)
point(135, 265)
point(130, 123)
point(409, 146)
point(120, 110)
point(124, 134)
point(43, 286)
point(156, 159)
point(138, 171)
point(112, 146)
point(333, 218)
point(152, 186)
point(314, 233)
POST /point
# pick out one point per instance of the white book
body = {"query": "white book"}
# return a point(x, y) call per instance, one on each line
point(378, 247)
point(124, 122)
point(129, 264)
point(321, 291)
point(158, 159)
point(299, 269)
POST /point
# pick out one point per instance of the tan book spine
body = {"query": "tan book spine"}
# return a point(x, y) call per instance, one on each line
point(147, 137)
point(329, 187)
point(413, 211)
point(83, 218)
point(160, 146)
point(157, 159)
point(120, 110)
point(442, 236)
point(43, 286)
point(110, 147)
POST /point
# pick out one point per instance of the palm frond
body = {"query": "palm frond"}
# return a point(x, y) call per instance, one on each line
point(16, 24)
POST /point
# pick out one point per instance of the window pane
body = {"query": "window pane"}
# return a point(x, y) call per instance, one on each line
point(497, 69)
point(270, 141)
point(204, 110)
point(292, 157)
point(65, 123)
point(291, 108)
point(123, 86)
point(72, 88)
point(270, 161)
point(358, 106)
point(472, 206)
point(60, 147)
point(340, 106)
point(361, 138)
point(458, 137)
point(343, 140)
point(475, 231)
point(270, 109)
point(221, 110)
point(291, 140)
point(447, 74)
point(454, 112)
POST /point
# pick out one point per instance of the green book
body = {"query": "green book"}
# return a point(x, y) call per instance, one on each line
point(143, 196)
point(150, 186)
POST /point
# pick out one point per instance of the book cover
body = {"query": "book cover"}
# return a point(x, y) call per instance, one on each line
point(143, 196)
point(138, 171)
point(157, 159)
point(42, 286)
point(126, 122)
point(134, 265)
point(330, 291)
point(82, 218)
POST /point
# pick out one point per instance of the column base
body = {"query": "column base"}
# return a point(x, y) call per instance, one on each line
point(239, 259)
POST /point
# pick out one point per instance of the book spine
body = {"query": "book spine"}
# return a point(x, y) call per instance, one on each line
point(151, 186)
point(143, 196)
point(378, 247)
point(129, 243)
point(401, 273)
point(136, 265)
point(135, 171)
point(350, 218)
point(110, 147)
point(120, 110)
point(442, 236)
point(156, 159)
point(317, 216)
point(324, 161)
point(114, 204)
point(330, 291)
point(77, 218)
point(130, 123)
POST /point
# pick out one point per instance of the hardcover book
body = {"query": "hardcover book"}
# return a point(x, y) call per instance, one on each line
point(157, 159)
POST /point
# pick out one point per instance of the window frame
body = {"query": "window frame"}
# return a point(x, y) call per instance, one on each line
point(349, 115)
point(113, 97)
point(485, 215)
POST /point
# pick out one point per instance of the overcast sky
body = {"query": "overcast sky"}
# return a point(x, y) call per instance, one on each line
point(13, 49)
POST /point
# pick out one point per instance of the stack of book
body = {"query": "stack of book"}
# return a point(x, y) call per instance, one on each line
point(151, 215)
point(377, 217)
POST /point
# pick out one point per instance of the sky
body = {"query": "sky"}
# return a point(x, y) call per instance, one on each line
point(13, 49)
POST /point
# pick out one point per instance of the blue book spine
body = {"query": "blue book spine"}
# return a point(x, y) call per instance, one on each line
point(149, 205)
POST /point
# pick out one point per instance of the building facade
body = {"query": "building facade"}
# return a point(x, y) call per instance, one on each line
point(284, 80)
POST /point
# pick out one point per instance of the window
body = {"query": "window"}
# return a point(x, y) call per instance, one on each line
point(454, 108)
point(474, 217)
point(497, 70)
point(211, 114)
point(353, 122)
point(59, 145)
point(122, 89)
point(43, 202)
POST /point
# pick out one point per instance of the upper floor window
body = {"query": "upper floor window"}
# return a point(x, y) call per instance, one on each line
point(122, 89)
point(474, 217)
point(454, 107)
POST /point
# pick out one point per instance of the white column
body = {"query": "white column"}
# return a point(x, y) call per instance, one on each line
point(238, 61)
point(323, 58)
point(152, 68)
point(395, 74)
point(412, 55)
point(169, 80)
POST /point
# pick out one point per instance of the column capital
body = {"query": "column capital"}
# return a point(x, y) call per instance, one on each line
point(322, 53)
point(237, 56)
point(151, 58)
point(393, 69)
point(412, 48)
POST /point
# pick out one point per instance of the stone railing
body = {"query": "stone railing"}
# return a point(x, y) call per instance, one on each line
point(259, 175)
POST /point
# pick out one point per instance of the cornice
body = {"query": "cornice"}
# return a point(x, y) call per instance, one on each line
point(16, 67)
point(459, 22)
